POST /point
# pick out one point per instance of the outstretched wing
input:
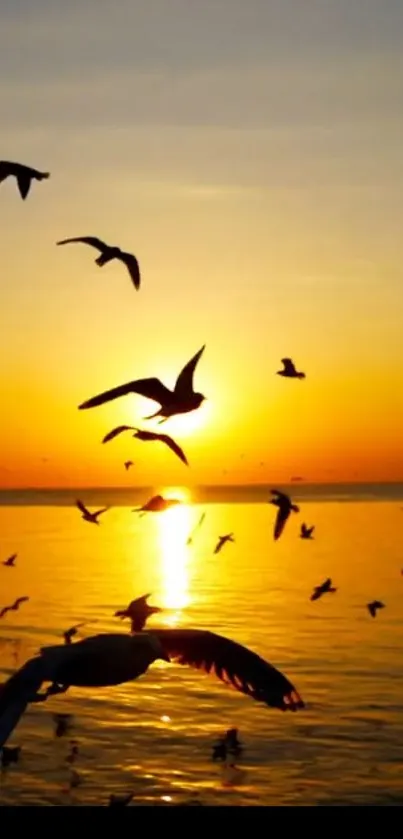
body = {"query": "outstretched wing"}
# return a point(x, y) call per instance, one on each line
point(288, 365)
point(24, 183)
point(115, 431)
point(165, 438)
point(281, 518)
point(150, 388)
point(86, 240)
point(82, 507)
point(184, 382)
point(20, 600)
point(232, 663)
point(99, 512)
point(16, 693)
point(133, 268)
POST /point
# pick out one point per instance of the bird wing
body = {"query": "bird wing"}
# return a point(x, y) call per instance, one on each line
point(16, 693)
point(165, 438)
point(4, 611)
point(184, 382)
point(281, 519)
point(327, 583)
point(99, 512)
point(133, 268)
point(150, 388)
point(280, 495)
point(86, 240)
point(82, 507)
point(316, 593)
point(20, 600)
point(115, 431)
point(288, 365)
point(11, 559)
point(232, 663)
point(24, 183)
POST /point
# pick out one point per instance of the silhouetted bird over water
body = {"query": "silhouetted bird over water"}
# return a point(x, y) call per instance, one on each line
point(306, 532)
point(9, 755)
point(15, 606)
point(108, 253)
point(148, 436)
point(157, 504)
point(229, 537)
point(10, 562)
point(181, 400)
point(285, 506)
point(127, 464)
point(324, 588)
point(138, 611)
point(289, 371)
point(24, 175)
point(90, 517)
point(374, 606)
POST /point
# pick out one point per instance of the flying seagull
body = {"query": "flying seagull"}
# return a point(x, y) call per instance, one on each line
point(15, 606)
point(289, 371)
point(229, 537)
point(195, 529)
point(306, 532)
point(374, 606)
point(9, 563)
point(148, 436)
point(284, 504)
point(109, 252)
point(324, 588)
point(24, 175)
point(157, 504)
point(87, 516)
point(180, 400)
point(138, 611)
point(112, 659)
point(127, 464)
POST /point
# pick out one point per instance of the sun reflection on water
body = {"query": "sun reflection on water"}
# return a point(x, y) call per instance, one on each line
point(173, 531)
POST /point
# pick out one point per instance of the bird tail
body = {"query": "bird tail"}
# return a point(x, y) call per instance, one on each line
point(16, 693)
point(294, 508)
point(41, 176)
point(122, 613)
point(300, 375)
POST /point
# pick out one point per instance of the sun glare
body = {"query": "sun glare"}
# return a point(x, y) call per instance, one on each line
point(173, 530)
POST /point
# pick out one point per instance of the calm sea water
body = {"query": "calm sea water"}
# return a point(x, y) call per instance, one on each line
point(154, 736)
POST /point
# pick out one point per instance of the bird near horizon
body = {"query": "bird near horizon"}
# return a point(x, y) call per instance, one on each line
point(24, 175)
point(138, 611)
point(324, 588)
point(113, 659)
point(181, 400)
point(14, 607)
point(10, 562)
point(289, 371)
point(127, 464)
point(157, 504)
point(285, 507)
point(306, 532)
point(374, 606)
point(148, 436)
point(108, 253)
point(92, 518)
point(229, 537)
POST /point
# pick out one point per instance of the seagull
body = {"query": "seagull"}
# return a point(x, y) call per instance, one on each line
point(229, 537)
point(127, 464)
point(284, 504)
point(234, 746)
point(9, 563)
point(289, 371)
point(157, 504)
point(306, 532)
point(120, 800)
point(113, 659)
point(195, 529)
point(148, 436)
point(87, 516)
point(15, 606)
point(108, 253)
point(181, 400)
point(23, 174)
point(70, 633)
point(374, 606)
point(325, 588)
point(138, 611)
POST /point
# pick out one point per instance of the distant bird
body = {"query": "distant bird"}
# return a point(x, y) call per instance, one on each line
point(285, 505)
point(148, 436)
point(157, 504)
point(195, 529)
point(108, 253)
point(73, 754)
point(10, 562)
point(306, 532)
point(229, 537)
point(324, 588)
point(9, 755)
point(120, 800)
point(15, 606)
point(138, 611)
point(219, 751)
point(90, 517)
point(24, 175)
point(289, 371)
point(296, 478)
point(70, 633)
point(113, 659)
point(127, 464)
point(374, 606)
point(234, 746)
point(62, 724)
point(181, 400)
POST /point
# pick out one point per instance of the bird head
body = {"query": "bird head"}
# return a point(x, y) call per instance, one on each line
point(198, 399)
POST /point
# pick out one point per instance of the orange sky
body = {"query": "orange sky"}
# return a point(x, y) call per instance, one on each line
point(250, 155)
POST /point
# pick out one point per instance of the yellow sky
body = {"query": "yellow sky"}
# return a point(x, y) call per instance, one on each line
point(250, 156)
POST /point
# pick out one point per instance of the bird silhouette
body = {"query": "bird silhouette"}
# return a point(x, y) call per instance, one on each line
point(229, 537)
point(374, 606)
point(195, 529)
point(10, 562)
point(157, 504)
point(24, 175)
point(306, 532)
point(9, 755)
point(289, 371)
point(15, 606)
point(70, 633)
point(234, 746)
point(113, 659)
point(63, 724)
point(127, 464)
point(324, 588)
point(120, 800)
point(108, 253)
point(138, 611)
point(90, 517)
point(181, 400)
point(148, 436)
point(285, 506)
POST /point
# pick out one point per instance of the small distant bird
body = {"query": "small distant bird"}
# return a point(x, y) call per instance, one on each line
point(148, 436)
point(108, 253)
point(9, 563)
point(306, 532)
point(15, 606)
point(157, 504)
point(324, 588)
point(289, 371)
point(234, 746)
point(127, 464)
point(90, 517)
point(120, 800)
point(70, 633)
point(374, 606)
point(219, 751)
point(138, 611)
point(181, 400)
point(296, 478)
point(9, 755)
point(24, 175)
point(62, 724)
point(285, 505)
point(195, 529)
point(229, 537)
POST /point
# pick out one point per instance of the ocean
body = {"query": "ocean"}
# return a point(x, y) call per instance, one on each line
point(154, 737)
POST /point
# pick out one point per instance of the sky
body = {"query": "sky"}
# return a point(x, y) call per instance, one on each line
point(251, 156)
